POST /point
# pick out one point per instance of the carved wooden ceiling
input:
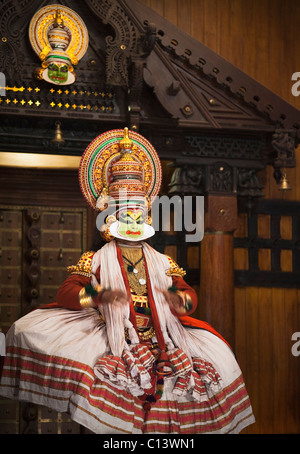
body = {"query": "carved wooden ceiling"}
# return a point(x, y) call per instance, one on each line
point(143, 72)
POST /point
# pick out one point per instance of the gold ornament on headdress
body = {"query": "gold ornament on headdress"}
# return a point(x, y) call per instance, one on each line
point(126, 143)
point(103, 200)
point(58, 21)
point(105, 233)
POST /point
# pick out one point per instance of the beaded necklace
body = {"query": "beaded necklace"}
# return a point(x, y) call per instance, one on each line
point(131, 268)
point(135, 269)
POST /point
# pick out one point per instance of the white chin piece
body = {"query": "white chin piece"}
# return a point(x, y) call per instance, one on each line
point(70, 79)
point(114, 230)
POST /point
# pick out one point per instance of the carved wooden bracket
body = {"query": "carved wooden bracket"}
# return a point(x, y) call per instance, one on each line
point(219, 178)
point(284, 142)
point(127, 45)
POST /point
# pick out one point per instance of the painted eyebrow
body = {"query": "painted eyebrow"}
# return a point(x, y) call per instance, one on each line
point(124, 216)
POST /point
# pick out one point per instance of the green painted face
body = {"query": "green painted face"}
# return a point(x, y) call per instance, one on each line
point(58, 72)
point(131, 223)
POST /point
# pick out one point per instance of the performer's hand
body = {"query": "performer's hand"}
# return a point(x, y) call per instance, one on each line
point(174, 301)
point(112, 297)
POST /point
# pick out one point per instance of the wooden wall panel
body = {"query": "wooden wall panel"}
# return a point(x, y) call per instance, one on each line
point(262, 38)
point(266, 318)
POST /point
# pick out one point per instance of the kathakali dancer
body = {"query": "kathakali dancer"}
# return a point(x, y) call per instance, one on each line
point(118, 350)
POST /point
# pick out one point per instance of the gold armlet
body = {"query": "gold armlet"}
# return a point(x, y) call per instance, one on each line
point(176, 271)
point(84, 266)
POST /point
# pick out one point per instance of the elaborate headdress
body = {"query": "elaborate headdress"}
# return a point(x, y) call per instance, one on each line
point(60, 39)
point(120, 175)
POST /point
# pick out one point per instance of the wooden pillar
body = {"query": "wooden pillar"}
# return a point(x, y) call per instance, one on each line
point(217, 270)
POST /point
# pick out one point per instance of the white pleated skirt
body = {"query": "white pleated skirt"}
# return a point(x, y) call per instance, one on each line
point(62, 359)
